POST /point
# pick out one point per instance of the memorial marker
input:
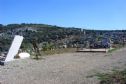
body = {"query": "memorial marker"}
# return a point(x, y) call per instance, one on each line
point(14, 48)
point(16, 43)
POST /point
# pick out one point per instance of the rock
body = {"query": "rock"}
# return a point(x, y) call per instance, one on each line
point(24, 55)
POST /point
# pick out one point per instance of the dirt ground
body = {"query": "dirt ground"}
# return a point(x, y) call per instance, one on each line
point(68, 68)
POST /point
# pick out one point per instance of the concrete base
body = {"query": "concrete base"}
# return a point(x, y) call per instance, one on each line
point(1, 63)
point(92, 50)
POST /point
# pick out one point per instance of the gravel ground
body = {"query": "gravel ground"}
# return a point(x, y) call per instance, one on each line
point(68, 68)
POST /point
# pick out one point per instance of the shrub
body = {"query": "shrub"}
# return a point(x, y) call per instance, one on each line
point(116, 77)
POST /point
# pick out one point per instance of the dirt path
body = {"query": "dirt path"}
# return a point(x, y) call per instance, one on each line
point(69, 68)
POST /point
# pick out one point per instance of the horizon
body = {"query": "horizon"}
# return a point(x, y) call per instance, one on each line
point(67, 27)
point(86, 14)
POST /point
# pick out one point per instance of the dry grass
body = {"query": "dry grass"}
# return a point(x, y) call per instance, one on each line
point(58, 51)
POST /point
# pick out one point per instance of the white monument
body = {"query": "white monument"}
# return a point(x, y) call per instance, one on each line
point(14, 48)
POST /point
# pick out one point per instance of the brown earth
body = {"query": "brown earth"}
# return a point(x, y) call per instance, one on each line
point(68, 68)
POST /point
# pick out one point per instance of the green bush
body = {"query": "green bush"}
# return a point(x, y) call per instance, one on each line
point(116, 77)
point(47, 46)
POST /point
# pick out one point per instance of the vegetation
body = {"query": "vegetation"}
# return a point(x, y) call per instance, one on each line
point(51, 37)
point(58, 51)
point(116, 48)
point(116, 77)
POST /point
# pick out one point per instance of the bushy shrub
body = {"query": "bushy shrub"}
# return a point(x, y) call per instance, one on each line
point(47, 46)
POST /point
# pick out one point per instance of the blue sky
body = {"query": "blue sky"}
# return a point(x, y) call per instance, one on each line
point(89, 14)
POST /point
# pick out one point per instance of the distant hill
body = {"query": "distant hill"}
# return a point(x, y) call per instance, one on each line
point(57, 37)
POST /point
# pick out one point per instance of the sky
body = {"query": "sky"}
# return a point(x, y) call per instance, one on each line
point(87, 14)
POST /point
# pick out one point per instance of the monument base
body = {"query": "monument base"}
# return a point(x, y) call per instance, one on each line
point(1, 63)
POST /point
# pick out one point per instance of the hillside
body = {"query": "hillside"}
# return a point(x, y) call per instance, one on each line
point(57, 37)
